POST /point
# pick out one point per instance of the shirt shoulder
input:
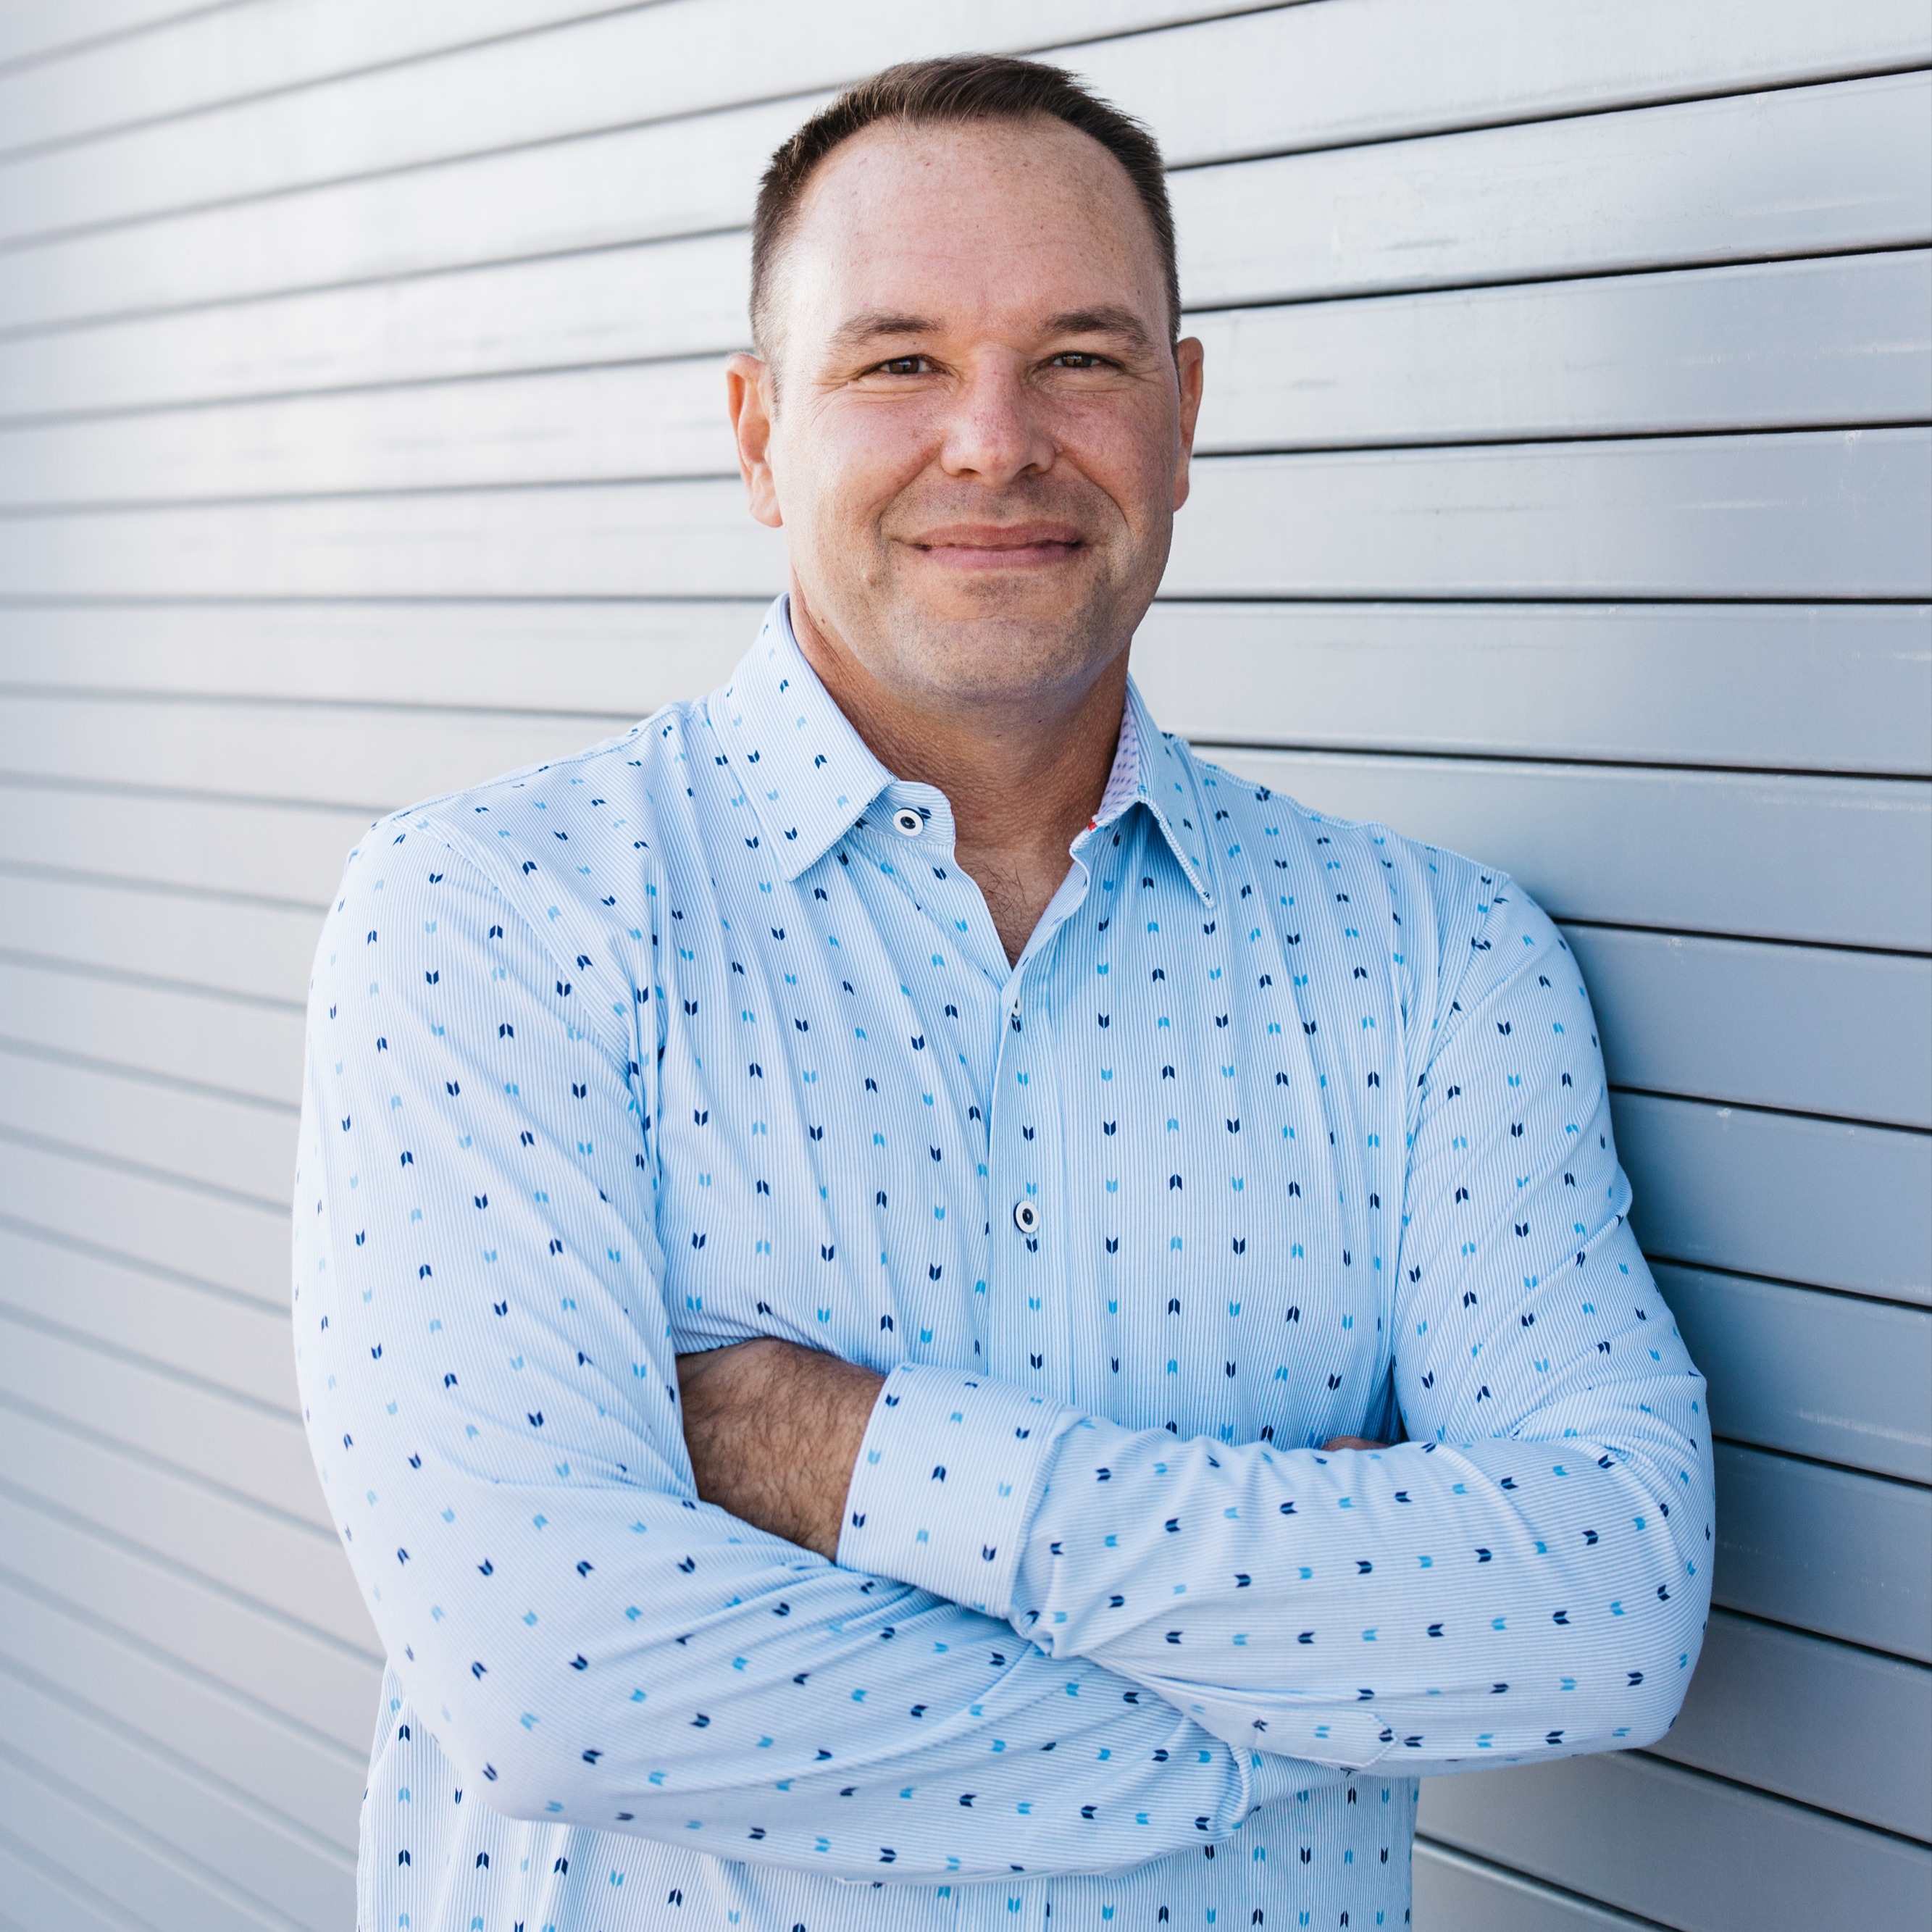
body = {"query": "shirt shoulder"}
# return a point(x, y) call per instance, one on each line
point(576, 845)
point(1435, 909)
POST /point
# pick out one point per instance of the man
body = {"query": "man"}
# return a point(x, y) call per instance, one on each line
point(857, 1246)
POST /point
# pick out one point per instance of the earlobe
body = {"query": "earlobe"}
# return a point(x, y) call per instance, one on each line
point(749, 403)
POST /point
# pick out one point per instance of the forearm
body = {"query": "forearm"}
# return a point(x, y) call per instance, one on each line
point(773, 1430)
point(1333, 1607)
point(1517, 1597)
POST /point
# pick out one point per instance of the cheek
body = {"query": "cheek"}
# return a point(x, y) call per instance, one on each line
point(1127, 455)
point(849, 462)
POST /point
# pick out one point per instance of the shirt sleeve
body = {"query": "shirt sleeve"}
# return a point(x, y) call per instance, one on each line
point(490, 1388)
point(1527, 1577)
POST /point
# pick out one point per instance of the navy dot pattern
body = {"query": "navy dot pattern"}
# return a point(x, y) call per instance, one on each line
point(1281, 1128)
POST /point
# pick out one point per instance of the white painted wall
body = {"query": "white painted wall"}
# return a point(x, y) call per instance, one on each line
point(1568, 500)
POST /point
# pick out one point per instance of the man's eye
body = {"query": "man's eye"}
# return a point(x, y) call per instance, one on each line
point(1079, 358)
point(903, 365)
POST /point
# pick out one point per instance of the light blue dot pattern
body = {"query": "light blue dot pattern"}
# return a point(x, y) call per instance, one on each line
point(1283, 1128)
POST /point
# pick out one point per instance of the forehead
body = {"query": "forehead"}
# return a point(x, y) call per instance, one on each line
point(956, 221)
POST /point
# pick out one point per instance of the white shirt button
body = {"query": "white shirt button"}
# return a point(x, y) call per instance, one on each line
point(1026, 1217)
point(908, 822)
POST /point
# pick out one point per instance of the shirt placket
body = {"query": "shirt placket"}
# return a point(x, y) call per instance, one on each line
point(1029, 1319)
point(908, 835)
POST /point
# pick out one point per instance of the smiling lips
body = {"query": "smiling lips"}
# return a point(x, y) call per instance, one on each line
point(999, 546)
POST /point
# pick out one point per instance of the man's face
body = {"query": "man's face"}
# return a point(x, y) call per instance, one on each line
point(980, 434)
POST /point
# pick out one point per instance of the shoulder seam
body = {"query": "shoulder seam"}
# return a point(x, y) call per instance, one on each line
point(459, 840)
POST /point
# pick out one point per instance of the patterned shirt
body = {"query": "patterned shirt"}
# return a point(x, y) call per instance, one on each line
point(1281, 1128)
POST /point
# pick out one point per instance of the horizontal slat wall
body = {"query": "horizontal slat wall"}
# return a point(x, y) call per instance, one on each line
point(1565, 496)
point(1683, 1849)
point(1245, 82)
point(1799, 516)
point(1842, 341)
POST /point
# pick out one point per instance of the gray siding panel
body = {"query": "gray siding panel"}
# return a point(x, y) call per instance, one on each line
point(341, 753)
point(1797, 516)
point(205, 1822)
point(41, 31)
point(236, 1149)
point(91, 840)
point(114, 1861)
point(1774, 345)
point(1272, 82)
point(37, 1894)
point(239, 1447)
point(288, 1567)
point(326, 1687)
point(1841, 1728)
point(622, 658)
point(1770, 1026)
point(241, 1047)
point(685, 297)
point(676, 60)
point(1456, 1893)
point(1792, 171)
point(232, 1740)
point(1823, 1550)
point(1685, 1850)
point(73, 1194)
point(169, 1322)
point(236, 944)
point(1825, 1201)
point(1825, 1376)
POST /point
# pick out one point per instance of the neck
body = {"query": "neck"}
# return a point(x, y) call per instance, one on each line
point(1024, 775)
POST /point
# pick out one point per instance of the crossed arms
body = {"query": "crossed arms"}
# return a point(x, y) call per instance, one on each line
point(574, 1568)
point(774, 1430)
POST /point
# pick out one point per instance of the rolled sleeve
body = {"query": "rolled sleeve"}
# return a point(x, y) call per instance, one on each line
point(947, 1480)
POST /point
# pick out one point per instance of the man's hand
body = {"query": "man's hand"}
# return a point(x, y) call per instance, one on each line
point(773, 1430)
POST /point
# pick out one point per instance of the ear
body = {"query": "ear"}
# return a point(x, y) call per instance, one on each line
point(750, 402)
point(1189, 359)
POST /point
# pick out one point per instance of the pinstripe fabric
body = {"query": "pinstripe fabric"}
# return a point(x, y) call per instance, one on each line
point(1280, 1129)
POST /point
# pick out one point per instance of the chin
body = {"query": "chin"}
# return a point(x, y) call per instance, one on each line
point(1010, 653)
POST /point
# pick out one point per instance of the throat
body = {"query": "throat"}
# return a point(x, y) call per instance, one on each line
point(1018, 888)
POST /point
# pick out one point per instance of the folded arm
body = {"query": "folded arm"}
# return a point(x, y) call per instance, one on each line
point(1528, 1577)
point(488, 1378)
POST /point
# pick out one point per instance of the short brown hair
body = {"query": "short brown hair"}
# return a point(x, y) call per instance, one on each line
point(961, 88)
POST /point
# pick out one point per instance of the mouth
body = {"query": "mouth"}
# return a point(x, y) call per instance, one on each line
point(980, 547)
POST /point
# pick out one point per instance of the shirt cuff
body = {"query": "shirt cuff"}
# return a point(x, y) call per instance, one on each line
point(948, 1478)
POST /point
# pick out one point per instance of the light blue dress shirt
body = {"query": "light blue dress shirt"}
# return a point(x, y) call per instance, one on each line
point(1281, 1128)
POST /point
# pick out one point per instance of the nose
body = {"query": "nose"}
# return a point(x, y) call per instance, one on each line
point(996, 432)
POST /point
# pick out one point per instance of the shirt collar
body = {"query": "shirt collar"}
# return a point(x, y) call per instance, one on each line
point(1151, 769)
point(808, 775)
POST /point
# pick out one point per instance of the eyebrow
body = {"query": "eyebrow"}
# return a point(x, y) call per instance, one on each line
point(874, 323)
point(1107, 319)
